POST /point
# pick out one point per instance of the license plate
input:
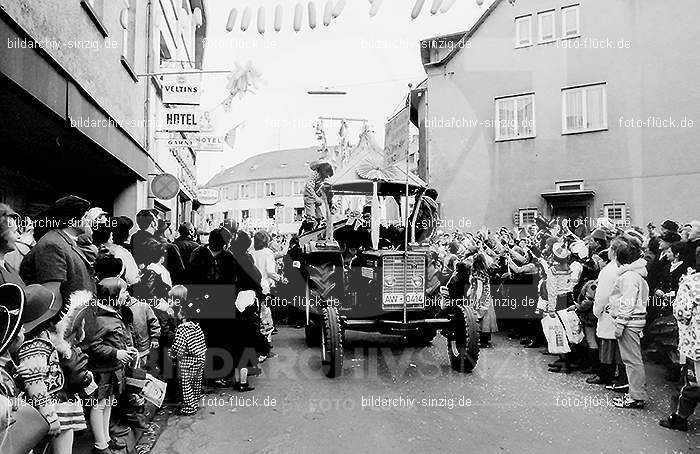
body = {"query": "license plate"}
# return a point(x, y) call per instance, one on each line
point(397, 298)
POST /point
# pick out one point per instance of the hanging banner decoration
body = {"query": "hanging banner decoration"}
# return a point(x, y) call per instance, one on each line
point(241, 80)
point(396, 139)
point(231, 23)
point(180, 119)
point(279, 16)
point(230, 137)
point(210, 142)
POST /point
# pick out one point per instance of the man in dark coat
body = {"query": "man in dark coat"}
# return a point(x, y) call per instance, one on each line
point(185, 242)
point(143, 241)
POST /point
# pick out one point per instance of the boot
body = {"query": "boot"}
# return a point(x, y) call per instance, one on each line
point(674, 422)
point(592, 362)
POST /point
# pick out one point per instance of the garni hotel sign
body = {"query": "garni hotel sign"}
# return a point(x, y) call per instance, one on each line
point(182, 89)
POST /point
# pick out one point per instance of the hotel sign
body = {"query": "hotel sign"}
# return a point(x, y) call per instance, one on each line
point(180, 119)
point(189, 143)
point(209, 142)
point(182, 88)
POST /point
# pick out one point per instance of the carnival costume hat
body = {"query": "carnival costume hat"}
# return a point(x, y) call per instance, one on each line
point(40, 307)
point(12, 300)
point(560, 252)
point(322, 164)
point(579, 248)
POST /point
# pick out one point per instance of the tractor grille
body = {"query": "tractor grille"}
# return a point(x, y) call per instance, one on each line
point(394, 283)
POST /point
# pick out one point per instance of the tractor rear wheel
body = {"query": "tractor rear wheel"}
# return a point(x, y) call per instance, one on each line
point(331, 343)
point(463, 339)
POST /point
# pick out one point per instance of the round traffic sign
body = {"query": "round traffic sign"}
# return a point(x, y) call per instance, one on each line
point(165, 186)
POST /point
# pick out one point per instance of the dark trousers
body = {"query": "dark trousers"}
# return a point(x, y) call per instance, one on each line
point(687, 399)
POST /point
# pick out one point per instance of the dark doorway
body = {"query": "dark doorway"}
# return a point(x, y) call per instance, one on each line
point(570, 213)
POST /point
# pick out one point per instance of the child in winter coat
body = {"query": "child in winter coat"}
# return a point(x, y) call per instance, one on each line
point(189, 351)
point(106, 345)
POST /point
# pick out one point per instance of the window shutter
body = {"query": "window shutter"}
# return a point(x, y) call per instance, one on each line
point(260, 192)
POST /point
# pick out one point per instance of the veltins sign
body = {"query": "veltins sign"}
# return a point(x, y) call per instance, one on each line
point(182, 88)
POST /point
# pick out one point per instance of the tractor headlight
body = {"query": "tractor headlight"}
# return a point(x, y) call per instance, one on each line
point(417, 281)
point(389, 281)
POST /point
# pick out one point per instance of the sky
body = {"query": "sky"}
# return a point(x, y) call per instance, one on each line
point(373, 59)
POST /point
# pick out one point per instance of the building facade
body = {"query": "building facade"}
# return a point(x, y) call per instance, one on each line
point(78, 116)
point(569, 108)
point(265, 191)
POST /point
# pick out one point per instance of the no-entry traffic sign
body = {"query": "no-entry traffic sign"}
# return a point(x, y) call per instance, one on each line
point(165, 186)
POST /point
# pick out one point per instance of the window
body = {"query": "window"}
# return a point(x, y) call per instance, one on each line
point(271, 213)
point(547, 26)
point(298, 188)
point(584, 109)
point(298, 214)
point(244, 191)
point(515, 117)
point(127, 19)
point(616, 212)
point(245, 214)
point(270, 189)
point(526, 216)
point(95, 10)
point(573, 185)
point(570, 22)
point(523, 31)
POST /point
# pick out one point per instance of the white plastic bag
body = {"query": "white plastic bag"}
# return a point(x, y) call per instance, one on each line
point(244, 299)
point(556, 335)
point(572, 326)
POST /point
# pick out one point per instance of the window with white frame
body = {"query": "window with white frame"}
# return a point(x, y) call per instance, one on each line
point(546, 26)
point(244, 191)
point(245, 214)
point(298, 214)
point(570, 22)
point(298, 188)
point(523, 31)
point(127, 19)
point(526, 216)
point(271, 213)
point(270, 189)
point(515, 117)
point(584, 109)
point(616, 212)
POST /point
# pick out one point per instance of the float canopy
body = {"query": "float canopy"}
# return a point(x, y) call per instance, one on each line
point(391, 180)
